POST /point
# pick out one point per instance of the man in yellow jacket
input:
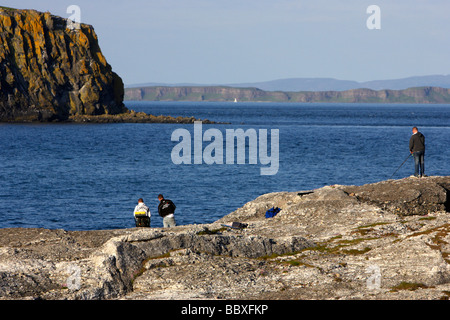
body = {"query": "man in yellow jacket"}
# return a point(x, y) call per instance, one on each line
point(142, 214)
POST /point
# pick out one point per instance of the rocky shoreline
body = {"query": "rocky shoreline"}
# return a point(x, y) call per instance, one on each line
point(134, 117)
point(126, 117)
point(387, 240)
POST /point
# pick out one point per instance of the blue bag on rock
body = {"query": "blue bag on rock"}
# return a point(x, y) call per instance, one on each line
point(272, 212)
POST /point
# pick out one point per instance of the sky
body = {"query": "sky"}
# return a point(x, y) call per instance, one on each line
point(240, 41)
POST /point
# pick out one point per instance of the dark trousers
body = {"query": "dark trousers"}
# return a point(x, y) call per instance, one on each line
point(142, 221)
point(419, 163)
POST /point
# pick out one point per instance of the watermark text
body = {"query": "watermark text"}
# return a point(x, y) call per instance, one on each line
point(235, 142)
point(374, 20)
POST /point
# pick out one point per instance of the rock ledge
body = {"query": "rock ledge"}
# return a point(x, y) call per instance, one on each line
point(336, 242)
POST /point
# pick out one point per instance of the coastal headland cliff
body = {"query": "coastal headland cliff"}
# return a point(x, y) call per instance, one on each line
point(51, 70)
point(385, 240)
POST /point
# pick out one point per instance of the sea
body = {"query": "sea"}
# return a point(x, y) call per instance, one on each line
point(90, 176)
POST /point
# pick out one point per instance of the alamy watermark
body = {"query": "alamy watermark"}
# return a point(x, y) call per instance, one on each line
point(374, 20)
point(373, 282)
point(213, 152)
point(73, 282)
point(74, 20)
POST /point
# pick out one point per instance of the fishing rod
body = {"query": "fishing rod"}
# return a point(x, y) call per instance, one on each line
point(400, 166)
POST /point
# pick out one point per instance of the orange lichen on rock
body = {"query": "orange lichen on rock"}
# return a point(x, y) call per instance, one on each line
point(50, 72)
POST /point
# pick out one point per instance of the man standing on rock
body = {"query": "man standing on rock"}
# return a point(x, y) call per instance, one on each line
point(417, 149)
point(166, 209)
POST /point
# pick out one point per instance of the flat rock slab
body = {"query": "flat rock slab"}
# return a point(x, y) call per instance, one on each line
point(408, 196)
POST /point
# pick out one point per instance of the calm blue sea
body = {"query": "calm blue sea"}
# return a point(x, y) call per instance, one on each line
point(89, 176)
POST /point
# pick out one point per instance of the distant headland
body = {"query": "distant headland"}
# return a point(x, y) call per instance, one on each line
point(422, 95)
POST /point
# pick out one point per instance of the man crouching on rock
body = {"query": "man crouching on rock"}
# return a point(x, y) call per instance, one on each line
point(142, 214)
point(166, 209)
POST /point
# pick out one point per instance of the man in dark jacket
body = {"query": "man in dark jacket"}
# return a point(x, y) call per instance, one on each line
point(417, 149)
point(166, 209)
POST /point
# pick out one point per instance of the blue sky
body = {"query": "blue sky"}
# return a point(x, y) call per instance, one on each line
point(230, 41)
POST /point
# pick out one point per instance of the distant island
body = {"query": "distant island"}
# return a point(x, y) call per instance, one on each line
point(425, 95)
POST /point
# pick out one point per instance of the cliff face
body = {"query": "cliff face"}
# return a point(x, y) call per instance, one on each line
point(411, 95)
point(49, 72)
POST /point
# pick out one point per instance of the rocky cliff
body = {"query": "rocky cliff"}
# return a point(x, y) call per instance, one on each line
point(411, 95)
point(387, 240)
point(51, 72)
